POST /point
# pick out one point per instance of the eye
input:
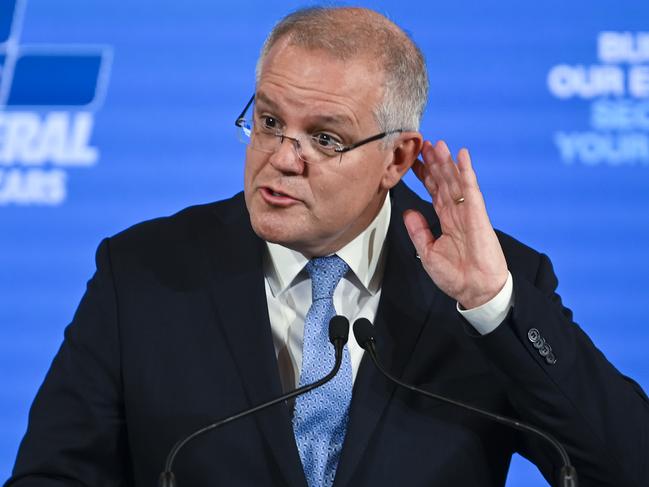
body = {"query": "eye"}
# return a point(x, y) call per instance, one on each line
point(269, 123)
point(326, 141)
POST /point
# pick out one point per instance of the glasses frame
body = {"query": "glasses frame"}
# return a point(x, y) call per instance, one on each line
point(340, 150)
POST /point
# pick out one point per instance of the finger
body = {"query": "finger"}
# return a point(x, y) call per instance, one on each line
point(469, 180)
point(422, 168)
point(418, 230)
point(448, 176)
point(423, 174)
point(467, 174)
point(427, 152)
point(419, 169)
point(428, 170)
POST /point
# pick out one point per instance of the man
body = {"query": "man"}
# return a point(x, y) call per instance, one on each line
point(218, 308)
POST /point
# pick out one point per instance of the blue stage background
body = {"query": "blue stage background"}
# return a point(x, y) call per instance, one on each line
point(115, 113)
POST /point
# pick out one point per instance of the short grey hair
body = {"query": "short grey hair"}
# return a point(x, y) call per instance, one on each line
point(347, 33)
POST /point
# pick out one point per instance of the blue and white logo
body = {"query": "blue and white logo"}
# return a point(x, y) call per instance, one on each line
point(48, 96)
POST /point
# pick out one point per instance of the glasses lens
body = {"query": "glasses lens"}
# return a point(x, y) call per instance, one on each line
point(260, 139)
point(323, 147)
point(309, 149)
point(244, 131)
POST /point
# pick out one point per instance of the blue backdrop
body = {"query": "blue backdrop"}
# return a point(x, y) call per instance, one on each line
point(114, 113)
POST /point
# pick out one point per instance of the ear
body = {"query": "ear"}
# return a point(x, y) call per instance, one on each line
point(405, 150)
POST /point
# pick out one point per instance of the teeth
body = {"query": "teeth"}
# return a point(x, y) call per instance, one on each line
point(276, 194)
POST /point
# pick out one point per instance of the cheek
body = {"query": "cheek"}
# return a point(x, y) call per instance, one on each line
point(366, 178)
point(251, 168)
point(340, 199)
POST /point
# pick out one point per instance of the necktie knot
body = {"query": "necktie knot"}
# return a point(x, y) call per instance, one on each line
point(325, 273)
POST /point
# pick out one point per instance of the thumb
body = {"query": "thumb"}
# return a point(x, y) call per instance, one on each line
point(419, 231)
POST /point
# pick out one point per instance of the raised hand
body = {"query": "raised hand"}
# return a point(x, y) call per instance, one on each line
point(466, 262)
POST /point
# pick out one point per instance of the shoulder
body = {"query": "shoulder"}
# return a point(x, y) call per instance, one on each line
point(186, 227)
point(183, 244)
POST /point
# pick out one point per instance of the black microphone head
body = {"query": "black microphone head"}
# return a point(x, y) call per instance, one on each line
point(364, 332)
point(338, 329)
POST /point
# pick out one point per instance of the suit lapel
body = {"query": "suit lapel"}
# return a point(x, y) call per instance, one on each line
point(240, 302)
point(406, 299)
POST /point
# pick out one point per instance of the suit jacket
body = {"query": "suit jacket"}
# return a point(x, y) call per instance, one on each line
point(173, 333)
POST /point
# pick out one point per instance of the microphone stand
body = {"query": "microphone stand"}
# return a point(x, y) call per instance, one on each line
point(338, 333)
point(365, 338)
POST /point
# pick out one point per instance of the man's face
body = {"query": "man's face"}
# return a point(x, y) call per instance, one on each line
point(316, 208)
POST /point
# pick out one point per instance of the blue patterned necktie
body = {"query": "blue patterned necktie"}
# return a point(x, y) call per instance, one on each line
point(320, 417)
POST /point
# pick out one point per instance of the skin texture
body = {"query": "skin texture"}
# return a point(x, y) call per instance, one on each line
point(325, 205)
point(316, 209)
point(466, 261)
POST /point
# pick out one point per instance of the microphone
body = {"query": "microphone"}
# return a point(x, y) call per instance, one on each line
point(338, 334)
point(363, 331)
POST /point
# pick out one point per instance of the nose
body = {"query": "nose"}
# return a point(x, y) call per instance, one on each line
point(287, 157)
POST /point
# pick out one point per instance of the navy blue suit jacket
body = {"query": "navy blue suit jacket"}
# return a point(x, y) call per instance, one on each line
point(173, 333)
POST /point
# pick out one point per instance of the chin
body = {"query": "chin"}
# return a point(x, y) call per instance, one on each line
point(272, 230)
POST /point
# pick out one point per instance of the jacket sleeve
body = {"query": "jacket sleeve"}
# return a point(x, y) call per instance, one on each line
point(558, 380)
point(76, 433)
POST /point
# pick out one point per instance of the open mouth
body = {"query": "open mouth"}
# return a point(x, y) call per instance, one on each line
point(277, 198)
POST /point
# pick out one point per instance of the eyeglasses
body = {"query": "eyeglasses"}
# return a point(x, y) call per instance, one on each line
point(263, 133)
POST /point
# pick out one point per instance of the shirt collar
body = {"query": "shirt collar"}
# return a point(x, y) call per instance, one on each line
point(362, 255)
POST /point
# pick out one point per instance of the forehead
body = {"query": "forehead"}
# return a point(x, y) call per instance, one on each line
point(295, 77)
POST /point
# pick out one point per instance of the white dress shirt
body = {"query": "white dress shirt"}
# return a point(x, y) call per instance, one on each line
point(288, 294)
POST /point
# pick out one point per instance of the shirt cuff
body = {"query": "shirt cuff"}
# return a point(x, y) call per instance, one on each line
point(486, 317)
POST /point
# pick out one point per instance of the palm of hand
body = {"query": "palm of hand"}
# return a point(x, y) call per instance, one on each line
point(466, 262)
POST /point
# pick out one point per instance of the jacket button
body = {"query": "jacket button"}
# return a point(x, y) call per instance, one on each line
point(551, 359)
point(539, 343)
point(533, 335)
point(545, 350)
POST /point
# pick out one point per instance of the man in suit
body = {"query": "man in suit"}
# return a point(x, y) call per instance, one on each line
point(200, 315)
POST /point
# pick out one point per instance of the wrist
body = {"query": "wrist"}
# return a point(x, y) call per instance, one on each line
point(477, 298)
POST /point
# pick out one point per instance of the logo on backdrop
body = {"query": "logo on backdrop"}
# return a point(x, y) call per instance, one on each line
point(618, 92)
point(48, 96)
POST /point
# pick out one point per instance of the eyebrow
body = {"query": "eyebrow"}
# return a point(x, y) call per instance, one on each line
point(264, 99)
point(336, 119)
